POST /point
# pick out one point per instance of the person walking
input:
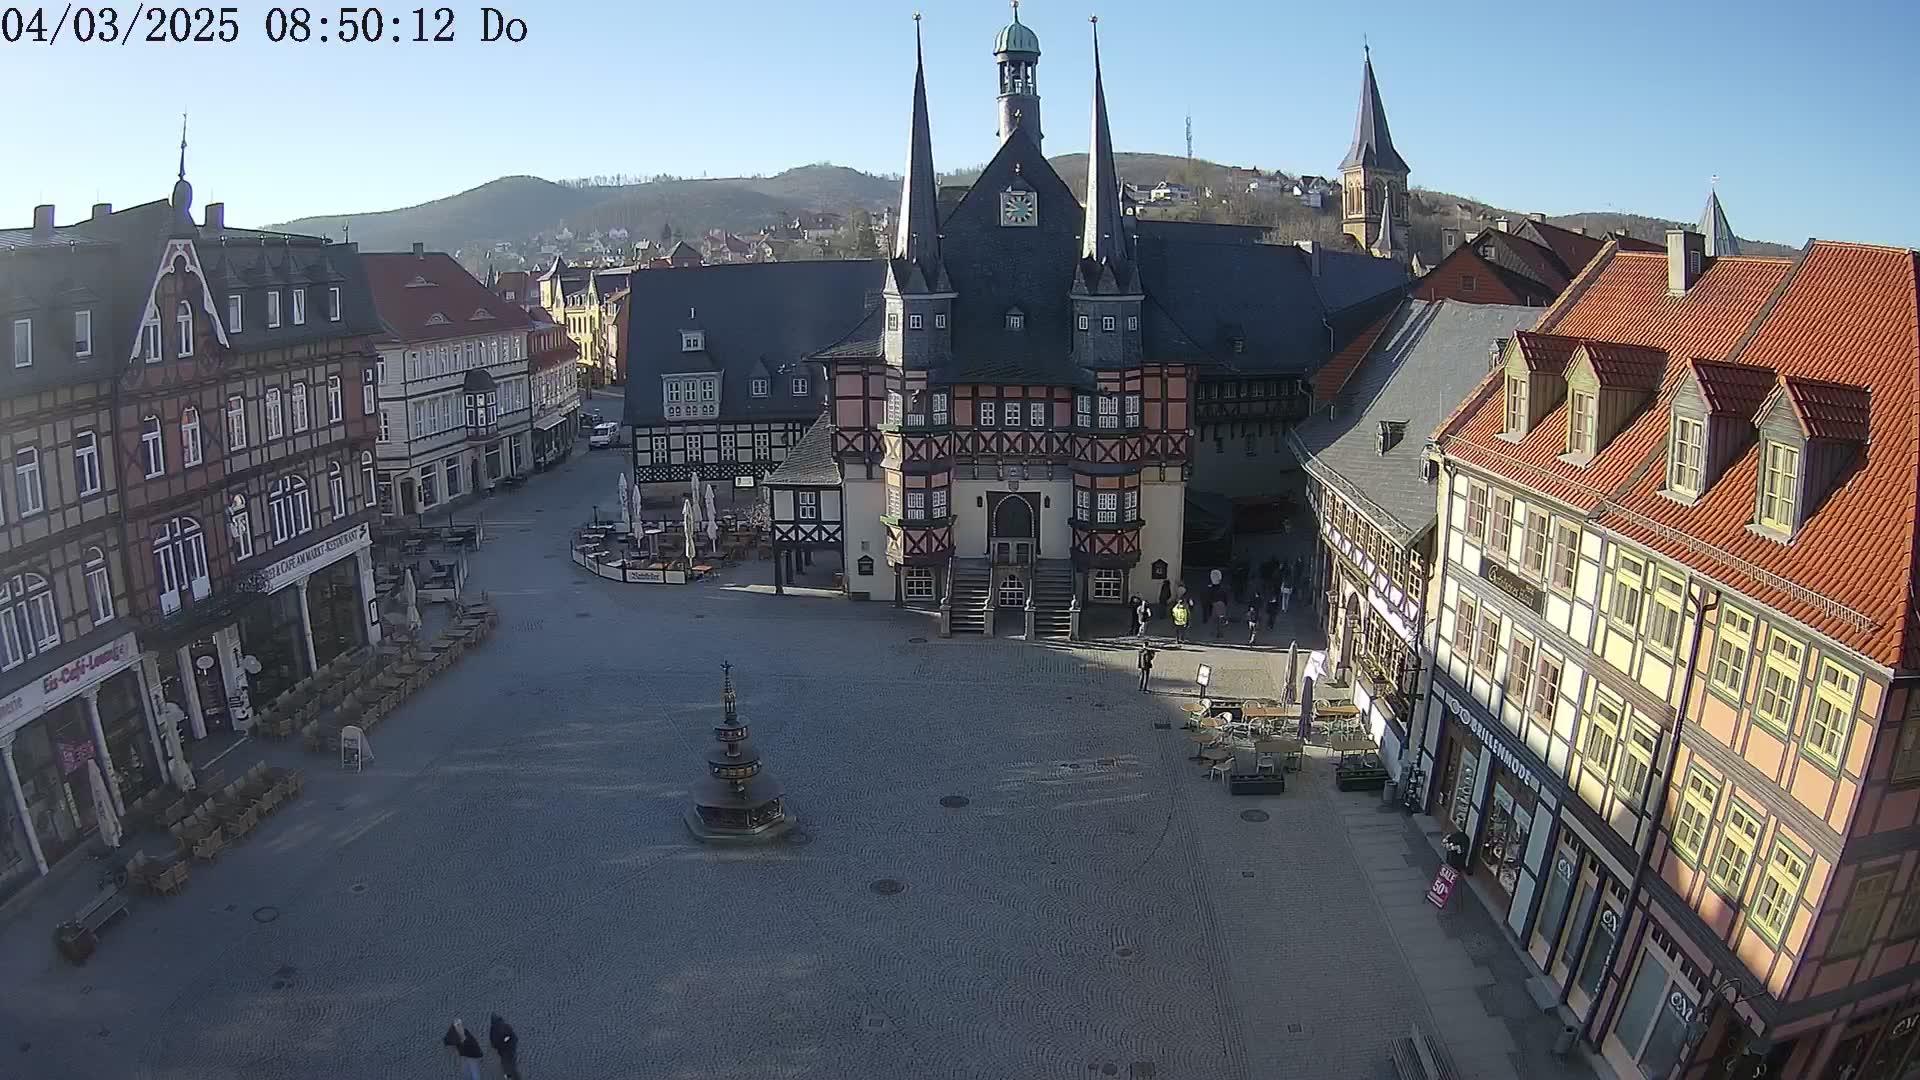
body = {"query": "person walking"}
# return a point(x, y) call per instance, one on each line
point(1182, 611)
point(1273, 606)
point(1286, 593)
point(507, 1045)
point(466, 1049)
point(1146, 668)
point(1142, 615)
point(1166, 595)
point(1219, 615)
point(1253, 619)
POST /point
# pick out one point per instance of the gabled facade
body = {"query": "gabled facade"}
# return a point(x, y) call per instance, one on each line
point(1667, 705)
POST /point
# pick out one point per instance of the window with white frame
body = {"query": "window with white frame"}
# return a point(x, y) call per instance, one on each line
point(1105, 583)
point(180, 553)
point(799, 386)
point(1565, 558)
point(451, 470)
point(183, 322)
point(236, 313)
point(1083, 410)
point(236, 423)
point(1130, 502)
point(271, 411)
point(917, 504)
point(366, 391)
point(1107, 323)
point(336, 488)
point(99, 586)
point(729, 446)
point(336, 400)
point(763, 445)
point(240, 527)
point(1107, 507)
point(28, 494)
point(152, 447)
point(691, 397)
point(1133, 410)
point(917, 409)
point(1831, 714)
point(273, 308)
point(1774, 705)
point(190, 453)
point(896, 407)
point(1109, 410)
point(300, 306)
point(333, 303)
point(1082, 504)
point(940, 408)
point(807, 505)
point(1082, 323)
point(150, 336)
point(757, 387)
point(937, 504)
point(297, 397)
point(692, 340)
point(29, 623)
point(86, 462)
point(1664, 614)
point(82, 334)
point(988, 412)
point(1037, 414)
point(918, 582)
point(1687, 455)
point(1627, 591)
point(896, 504)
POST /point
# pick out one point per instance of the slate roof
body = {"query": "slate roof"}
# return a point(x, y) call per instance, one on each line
point(1427, 356)
point(1372, 142)
point(1842, 314)
point(1713, 225)
point(430, 297)
point(757, 318)
point(810, 462)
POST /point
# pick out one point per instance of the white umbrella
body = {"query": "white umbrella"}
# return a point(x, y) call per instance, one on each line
point(713, 520)
point(178, 770)
point(687, 526)
point(410, 593)
point(633, 519)
point(626, 498)
point(693, 494)
point(103, 815)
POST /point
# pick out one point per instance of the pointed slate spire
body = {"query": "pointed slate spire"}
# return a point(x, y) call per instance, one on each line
point(183, 190)
point(1714, 226)
point(1383, 244)
point(1372, 142)
point(917, 237)
point(1103, 236)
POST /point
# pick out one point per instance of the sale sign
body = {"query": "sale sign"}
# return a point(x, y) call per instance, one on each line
point(1442, 888)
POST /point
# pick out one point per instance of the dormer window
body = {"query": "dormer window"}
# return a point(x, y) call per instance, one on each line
point(799, 386)
point(1810, 432)
point(1580, 424)
point(1686, 455)
point(1516, 406)
point(757, 387)
point(1607, 385)
point(1536, 377)
point(915, 322)
point(692, 340)
point(690, 397)
point(1779, 483)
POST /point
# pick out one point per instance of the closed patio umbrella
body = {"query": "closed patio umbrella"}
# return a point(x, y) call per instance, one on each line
point(178, 770)
point(626, 498)
point(103, 815)
point(633, 520)
point(687, 526)
point(712, 520)
point(410, 594)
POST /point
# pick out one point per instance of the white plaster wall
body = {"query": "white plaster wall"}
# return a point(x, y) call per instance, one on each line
point(1054, 498)
point(1164, 506)
point(866, 500)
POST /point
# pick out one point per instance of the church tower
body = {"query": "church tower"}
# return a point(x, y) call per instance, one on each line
point(1106, 291)
point(1374, 175)
point(1017, 51)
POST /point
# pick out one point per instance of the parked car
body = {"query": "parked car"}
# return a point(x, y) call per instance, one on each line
point(604, 434)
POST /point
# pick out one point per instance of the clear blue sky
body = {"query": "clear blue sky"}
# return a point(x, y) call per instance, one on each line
point(1803, 110)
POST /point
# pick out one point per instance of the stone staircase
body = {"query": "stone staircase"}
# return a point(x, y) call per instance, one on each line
point(1052, 600)
point(972, 591)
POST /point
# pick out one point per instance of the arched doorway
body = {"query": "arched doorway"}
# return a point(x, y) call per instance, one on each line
point(1013, 529)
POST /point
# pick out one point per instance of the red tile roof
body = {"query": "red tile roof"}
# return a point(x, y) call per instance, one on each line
point(1333, 375)
point(1828, 410)
point(1733, 389)
point(1625, 367)
point(1843, 323)
point(430, 297)
point(1545, 353)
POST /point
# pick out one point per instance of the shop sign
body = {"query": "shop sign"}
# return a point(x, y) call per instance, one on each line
point(63, 682)
point(648, 577)
point(1513, 585)
point(301, 563)
point(1493, 741)
point(1442, 888)
point(75, 755)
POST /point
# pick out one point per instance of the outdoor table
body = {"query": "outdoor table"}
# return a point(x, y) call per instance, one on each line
point(1288, 748)
point(1333, 708)
point(1270, 712)
point(1209, 723)
point(1202, 740)
point(1216, 754)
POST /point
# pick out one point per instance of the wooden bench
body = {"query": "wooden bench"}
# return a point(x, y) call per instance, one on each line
point(101, 910)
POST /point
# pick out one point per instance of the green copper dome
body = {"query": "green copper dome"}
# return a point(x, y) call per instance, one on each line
point(1016, 38)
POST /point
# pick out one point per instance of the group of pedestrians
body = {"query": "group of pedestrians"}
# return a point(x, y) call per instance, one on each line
point(466, 1049)
point(1273, 597)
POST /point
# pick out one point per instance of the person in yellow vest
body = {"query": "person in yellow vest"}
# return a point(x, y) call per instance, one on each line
point(1182, 611)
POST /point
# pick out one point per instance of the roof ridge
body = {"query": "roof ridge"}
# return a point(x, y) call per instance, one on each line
point(1911, 615)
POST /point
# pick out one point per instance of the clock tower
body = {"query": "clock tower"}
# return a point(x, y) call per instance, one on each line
point(1017, 52)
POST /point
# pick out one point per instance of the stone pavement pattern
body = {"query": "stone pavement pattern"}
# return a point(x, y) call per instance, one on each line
point(1097, 909)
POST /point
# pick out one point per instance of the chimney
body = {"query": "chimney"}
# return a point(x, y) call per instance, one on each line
point(419, 250)
point(1686, 259)
point(1501, 223)
point(1313, 255)
point(1449, 241)
point(1536, 216)
point(43, 221)
point(102, 211)
point(1581, 229)
point(216, 215)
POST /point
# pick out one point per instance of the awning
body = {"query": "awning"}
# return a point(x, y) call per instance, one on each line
point(548, 423)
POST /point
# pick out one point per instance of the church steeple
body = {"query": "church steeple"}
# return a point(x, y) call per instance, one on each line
point(1372, 170)
point(1103, 238)
point(1713, 225)
point(1389, 243)
point(1017, 53)
point(916, 243)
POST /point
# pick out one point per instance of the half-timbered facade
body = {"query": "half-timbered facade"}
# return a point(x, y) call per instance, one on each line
point(1674, 652)
point(244, 442)
point(1371, 487)
point(556, 389)
point(805, 513)
point(454, 383)
point(69, 679)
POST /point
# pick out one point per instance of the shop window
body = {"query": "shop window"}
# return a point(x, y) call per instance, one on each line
point(1697, 801)
point(1779, 888)
point(1831, 714)
point(1105, 585)
point(1606, 931)
point(1862, 914)
point(1779, 683)
point(918, 582)
point(1732, 648)
point(1738, 838)
point(1656, 1018)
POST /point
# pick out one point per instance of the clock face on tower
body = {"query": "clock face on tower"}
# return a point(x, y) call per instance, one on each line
point(1019, 208)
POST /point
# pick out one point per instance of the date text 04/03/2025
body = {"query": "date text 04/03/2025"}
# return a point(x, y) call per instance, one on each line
point(104, 24)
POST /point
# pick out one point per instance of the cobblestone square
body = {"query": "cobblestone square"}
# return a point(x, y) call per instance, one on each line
point(1096, 908)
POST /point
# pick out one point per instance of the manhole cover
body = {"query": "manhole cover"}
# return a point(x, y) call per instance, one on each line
point(357, 887)
point(1254, 815)
point(285, 971)
point(1246, 873)
point(1109, 1069)
point(1295, 1029)
point(887, 886)
point(800, 838)
point(954, 802)
point(265, 914)
point(916, 641)
point(1124, 952)
point(583, 614)
point(875, 1023)
point(280, 984)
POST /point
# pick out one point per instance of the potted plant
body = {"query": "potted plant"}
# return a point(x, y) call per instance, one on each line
point(74, 943)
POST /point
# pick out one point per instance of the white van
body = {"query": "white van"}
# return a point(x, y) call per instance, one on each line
point(606, 434)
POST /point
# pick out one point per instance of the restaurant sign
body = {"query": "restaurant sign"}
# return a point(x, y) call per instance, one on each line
point(65, 681)
point(301, 563)
point(1514, 585)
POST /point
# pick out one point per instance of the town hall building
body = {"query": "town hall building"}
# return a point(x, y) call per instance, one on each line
point(1022, 393)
